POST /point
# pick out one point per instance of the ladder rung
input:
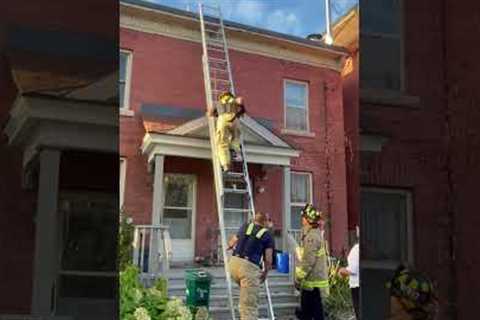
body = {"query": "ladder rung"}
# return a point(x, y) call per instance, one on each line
point(214, 41)
point(216, 49)
point(234, 174)
point(218, 60)
point(215, 45)
point(221, 80)
point(236, 210)
point(219, 70)
point(239, 191)
point(210, 7)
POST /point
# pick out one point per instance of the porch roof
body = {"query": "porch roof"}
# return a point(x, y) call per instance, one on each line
point(191, 140)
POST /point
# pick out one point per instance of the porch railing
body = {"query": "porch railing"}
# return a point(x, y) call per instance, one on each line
point(152, 248)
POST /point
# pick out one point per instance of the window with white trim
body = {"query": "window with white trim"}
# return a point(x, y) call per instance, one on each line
point(301, 194)
point(123, 173)
point(296, 105)
point(381, 43)
point(124, 79)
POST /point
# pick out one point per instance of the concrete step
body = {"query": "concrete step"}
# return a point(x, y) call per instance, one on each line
point(283, 311)
point(277, 298)
point(221, 288)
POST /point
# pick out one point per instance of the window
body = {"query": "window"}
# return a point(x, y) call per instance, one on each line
point(296, 106)
point(124, 79)
point(88, 239)
point(301, 194)
point(381, 43)
point(386, 225)
point(178, 207)
point(123, 173)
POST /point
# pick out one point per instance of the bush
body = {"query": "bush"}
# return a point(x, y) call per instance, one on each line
point(125, 240)
point(338, 305)
point(140, 303)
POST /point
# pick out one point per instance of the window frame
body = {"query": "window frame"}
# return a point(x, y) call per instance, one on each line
point(123, 180)
point(401, 39)
point(310, 197)
point(410, 226)
point(307, 107)
point(125, 109)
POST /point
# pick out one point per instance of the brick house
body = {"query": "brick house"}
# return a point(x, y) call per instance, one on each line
point(294, 129)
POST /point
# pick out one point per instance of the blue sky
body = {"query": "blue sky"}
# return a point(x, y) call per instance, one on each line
point(295, 17)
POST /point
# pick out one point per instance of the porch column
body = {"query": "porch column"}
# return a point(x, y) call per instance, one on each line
point(46, 257)
point(286, 206)
point(157, 214)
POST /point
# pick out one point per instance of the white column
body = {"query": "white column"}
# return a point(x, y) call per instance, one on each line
point(157, 214)
point(286, 206)
point(46, 255)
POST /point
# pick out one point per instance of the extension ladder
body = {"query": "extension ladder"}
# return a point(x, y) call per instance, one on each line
point(218, 79)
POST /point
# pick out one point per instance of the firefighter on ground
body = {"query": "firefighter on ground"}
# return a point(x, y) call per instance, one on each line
point(311, 273)
point(228, 111)
point(252, 242)
point(412, 296)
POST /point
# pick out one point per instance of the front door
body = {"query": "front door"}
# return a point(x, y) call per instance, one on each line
point(86, 285)
point(179, 215)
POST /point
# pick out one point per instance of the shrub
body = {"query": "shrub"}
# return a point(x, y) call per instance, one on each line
point(338, 305)
point(125, 240)
point(140, 303)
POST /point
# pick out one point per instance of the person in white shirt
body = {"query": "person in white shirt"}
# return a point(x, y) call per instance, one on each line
point(353, 272)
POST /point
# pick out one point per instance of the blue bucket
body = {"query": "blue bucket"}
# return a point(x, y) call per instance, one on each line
point(282, 262)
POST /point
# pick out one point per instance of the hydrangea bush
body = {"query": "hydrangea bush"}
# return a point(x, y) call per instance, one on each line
point(140, 303)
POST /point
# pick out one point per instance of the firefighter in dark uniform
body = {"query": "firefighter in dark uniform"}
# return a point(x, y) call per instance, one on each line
point(252, 242)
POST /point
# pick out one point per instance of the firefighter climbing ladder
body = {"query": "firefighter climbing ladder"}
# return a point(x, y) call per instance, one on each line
point(218, 78)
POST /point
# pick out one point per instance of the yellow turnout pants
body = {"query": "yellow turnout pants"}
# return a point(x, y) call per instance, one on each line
point(228, 137)
point(247, 276)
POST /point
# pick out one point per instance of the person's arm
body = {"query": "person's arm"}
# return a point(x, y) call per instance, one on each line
point(353, 263)
point(269, 245)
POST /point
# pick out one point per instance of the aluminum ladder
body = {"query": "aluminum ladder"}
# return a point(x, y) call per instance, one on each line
point(217, 76)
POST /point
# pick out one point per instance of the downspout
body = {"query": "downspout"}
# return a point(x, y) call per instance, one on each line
point(451, 196)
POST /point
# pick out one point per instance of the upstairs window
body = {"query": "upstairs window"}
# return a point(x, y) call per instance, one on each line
point(124, 79)
point(296, 106)
point(381, 59)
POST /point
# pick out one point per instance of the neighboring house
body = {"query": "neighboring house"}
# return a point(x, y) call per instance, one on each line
point(294, 128)
point(58, 169)
point(417, 138)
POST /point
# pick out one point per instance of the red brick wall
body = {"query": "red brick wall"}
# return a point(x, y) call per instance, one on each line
point(17, 208)
point(433, 150)
point(168, 71)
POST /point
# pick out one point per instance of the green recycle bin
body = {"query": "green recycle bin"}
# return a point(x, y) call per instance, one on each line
point(198, 283)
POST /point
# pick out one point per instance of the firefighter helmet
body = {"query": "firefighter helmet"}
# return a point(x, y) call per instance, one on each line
point(415, 291)
point(226, 98)
point(310, 213)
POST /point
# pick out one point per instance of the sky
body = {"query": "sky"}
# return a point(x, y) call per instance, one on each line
point(294, 17)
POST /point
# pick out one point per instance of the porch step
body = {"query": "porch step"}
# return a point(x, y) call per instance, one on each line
point(283, 311)
point(221, 288)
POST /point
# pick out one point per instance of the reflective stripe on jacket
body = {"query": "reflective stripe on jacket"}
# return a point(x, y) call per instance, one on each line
point(312, 269)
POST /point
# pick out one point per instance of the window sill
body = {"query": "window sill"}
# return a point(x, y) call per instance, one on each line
point(390, 98)
point(306, 134)
point(126, 112)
